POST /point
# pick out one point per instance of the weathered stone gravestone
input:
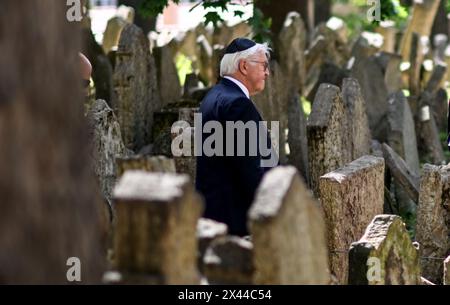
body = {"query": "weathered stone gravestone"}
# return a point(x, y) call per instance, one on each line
point(272, 103)
point(160, 164)
point(433, 228)
point(135, 87)
point(407, 179)
point(168, 82)
point(291, 46)
point(155, 236)
point(390, 66)
point(51, 218)
point(228, 260)
point(207, 231)
point(402, 135)
point(297, 139)
point(367, 44)
point(402, 139)
point(439, 108)
point(288, 232)
point(350, 196)
point(385, 255)
point(358, 125)
point(108, 145)
point(429, 143)
point(371, 79)
point(327, 134)
point(112, 32)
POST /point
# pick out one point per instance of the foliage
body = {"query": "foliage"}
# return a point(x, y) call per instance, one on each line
point(259, 24)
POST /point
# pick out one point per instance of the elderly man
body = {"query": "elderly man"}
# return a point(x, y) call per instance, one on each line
point(228, 183)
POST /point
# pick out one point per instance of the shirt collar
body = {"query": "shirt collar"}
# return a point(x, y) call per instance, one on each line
point(241, 85)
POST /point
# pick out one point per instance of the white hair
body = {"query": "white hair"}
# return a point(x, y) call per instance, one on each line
point(230, 62)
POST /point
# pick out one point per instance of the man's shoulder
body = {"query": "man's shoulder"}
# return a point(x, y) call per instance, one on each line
point(224, 94)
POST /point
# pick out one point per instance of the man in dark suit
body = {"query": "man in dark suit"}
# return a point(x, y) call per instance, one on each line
point(228, 180)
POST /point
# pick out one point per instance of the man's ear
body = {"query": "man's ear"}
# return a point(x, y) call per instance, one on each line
point(243, 67)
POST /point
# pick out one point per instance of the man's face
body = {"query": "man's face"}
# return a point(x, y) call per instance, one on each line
point(258, 71)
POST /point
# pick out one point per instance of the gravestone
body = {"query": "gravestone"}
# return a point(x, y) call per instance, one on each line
point(390, 66)
point(385, 255)
point(327, 134)
point(108, 145)
point(207, 231)
point(135, 87)
point(291, 46)
point(406, 178)
point(370, 77)
point(288, 232)
point(155, 235)
point(51, 219)
point(112, 32)
point(439, 108)
point(272, 104)
point(429, 143)
point(297, 138)
point(169, 86)
point(402, 135)
point(228, 260)
point(432, 228)
point(350, 196)
point(358, 125)
point(160, 164)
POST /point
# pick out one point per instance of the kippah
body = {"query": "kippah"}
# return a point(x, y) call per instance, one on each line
point(238, 45)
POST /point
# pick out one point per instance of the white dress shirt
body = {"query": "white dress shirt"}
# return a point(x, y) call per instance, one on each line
point(241, 85)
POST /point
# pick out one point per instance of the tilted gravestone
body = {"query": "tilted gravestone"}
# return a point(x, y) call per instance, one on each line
point(385, 255)
point(350, 196)
point(327, 134)
point(288, 232)
point(433, 228)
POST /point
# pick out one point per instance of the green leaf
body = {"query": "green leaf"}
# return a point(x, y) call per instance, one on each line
point(212, 17)
point(151, 8)
point(216, 4)
point(238, 14)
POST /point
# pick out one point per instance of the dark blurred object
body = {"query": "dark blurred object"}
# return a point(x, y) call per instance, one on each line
point(50, 206)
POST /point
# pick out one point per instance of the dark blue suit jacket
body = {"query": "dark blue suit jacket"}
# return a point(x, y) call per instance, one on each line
point(228, 183)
